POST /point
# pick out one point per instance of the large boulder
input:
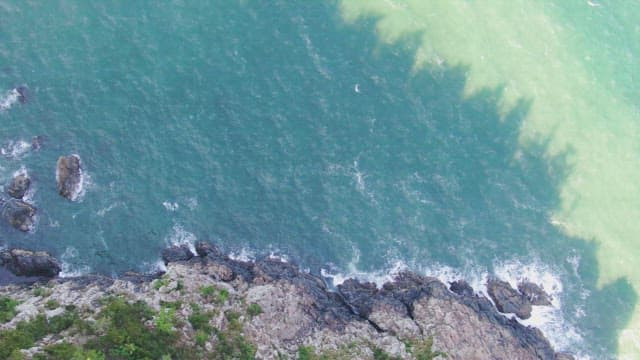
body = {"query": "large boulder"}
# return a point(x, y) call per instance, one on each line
point(508, 300)
point(19, 186)
point(69, 176)
point(18, 213)
point(29, 263)
point(534, 293)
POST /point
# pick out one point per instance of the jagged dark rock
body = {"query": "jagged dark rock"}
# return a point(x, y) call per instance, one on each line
point(19, 186)
point(534, 293)
point(17, 213)
point(69, 176)
point(298, 308)
point(508, 300)
point(29, 263)
point(461, 287)
point(176, 253)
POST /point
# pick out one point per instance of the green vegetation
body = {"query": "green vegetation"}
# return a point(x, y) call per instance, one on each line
point(41, 291)
point(201, 337)
point(166, 319)
point(200, 320)
point(27, 333)
point(422, 349)
point(52, 304)
point(7, 309)
point(124, 330)
point(123, 333)
point(66, 351)
point(163, 281)
point(209, 292)
point(254, 310)
point(347, 352)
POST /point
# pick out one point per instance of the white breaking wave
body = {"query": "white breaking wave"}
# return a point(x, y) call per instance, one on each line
point(549, 319)
point(15, 149)
point(170, 206)
point(244, 254)
point(378, 277)
point(102, 212)
point(562, 335)
point(153, 267)
point(69, 268)
point(179, 236)
point(9, 99)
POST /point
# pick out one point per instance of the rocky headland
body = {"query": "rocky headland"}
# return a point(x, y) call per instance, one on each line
point(208, 305)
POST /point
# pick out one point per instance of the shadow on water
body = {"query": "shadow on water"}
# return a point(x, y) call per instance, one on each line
point(443, 176)
point(318, 140)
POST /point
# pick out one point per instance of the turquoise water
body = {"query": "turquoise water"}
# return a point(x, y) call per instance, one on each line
point(329, 133)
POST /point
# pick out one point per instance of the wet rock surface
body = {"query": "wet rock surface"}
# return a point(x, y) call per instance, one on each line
point(29, 263)
point(19, 214)
point(18, 186)
point(176, 253)
point(508, 300)
point(69, 176)
point(534, 293)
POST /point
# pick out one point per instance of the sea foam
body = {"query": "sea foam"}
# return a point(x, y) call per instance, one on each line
point(70, 267)
point(179, 236)
point(10, 98)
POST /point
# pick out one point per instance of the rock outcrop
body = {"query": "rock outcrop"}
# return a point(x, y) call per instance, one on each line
point(17, 213)
point(29, 263)
point(534, 294)
point(508, 300)
point(19, 186)
point(298, 309)
point(69, 176)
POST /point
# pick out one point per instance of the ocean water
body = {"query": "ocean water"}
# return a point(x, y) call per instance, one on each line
point(357, 138)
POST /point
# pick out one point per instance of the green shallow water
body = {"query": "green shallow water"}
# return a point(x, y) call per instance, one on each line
point(462, 138)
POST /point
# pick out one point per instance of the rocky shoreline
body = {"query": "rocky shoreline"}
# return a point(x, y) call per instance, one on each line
point(285, 313)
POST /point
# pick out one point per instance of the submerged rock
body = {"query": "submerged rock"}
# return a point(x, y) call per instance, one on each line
point(29, 263)
point(19, 186)
point(22, 94)
point(69, 176)
point(18, 213)
point(534, 293)
point(37, 142)
point(508, 300)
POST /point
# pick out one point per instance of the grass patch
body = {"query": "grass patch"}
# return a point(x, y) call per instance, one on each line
point(166, 320)
point(66, 351)
point(254, 310)
point(422, 349)
point(210, 292)
point(41, 291)
point(52, 304)
point(7, 309)
point(199, 320)
point(158, 283)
